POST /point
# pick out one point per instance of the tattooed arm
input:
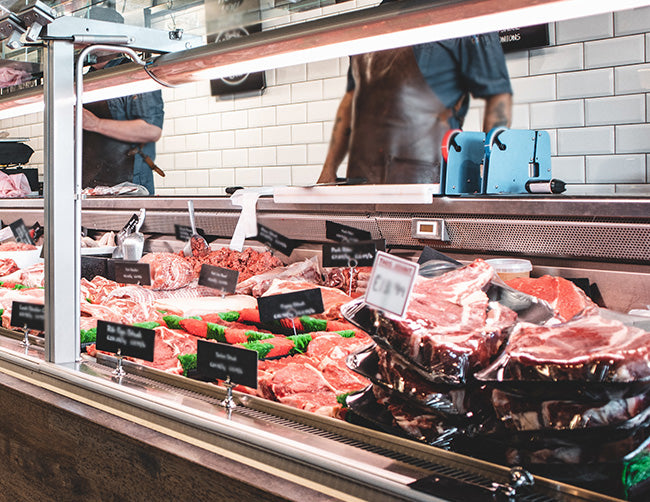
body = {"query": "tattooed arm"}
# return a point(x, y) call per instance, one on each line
point(498, 111)
point(339, 141)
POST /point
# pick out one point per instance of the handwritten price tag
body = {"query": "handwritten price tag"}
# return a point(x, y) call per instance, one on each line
point(391, 283)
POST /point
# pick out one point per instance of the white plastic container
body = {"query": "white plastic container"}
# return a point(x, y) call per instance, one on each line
point(511, 268)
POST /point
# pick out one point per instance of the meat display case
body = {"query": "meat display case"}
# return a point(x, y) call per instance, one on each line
point(70, 432)
point(272, 451)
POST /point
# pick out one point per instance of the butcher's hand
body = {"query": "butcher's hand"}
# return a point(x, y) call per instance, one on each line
point(91, 121)
point(327, 175)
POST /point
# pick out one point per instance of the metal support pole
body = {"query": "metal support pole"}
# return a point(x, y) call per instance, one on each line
point(62, 208)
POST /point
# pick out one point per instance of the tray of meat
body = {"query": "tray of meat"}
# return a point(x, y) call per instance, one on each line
point(395, 375)
point(589, 350)
point(520, 412)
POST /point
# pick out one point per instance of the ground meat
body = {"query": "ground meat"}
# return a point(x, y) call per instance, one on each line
point(247, 262)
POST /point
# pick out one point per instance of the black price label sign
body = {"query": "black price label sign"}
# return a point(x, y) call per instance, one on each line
point(349, 255)
point(223, 279)
point(184, 233)
point(222, 361)
point(130, 340)
point(132, 273)
point(290, 305)
point(275, 240)
point(343, 233)
point(21, 232)
point(31, 315)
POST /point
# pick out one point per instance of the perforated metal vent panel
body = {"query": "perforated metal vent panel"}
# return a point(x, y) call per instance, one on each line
point(579, 239)
point(606, 240)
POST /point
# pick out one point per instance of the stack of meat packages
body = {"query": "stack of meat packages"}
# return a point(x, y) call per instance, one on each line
point(422, 365)
point(566, 397)
point(572, 396)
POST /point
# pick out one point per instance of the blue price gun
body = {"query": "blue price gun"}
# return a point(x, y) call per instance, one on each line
point(503, 161)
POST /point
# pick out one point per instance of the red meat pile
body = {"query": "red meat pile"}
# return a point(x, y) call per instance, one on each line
point(247, 262)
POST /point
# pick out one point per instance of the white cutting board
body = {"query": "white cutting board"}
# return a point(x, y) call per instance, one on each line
point(357, 194)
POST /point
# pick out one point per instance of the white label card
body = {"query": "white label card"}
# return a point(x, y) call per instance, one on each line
point(391, 283)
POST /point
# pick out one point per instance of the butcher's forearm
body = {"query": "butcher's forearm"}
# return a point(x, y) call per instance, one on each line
point(130, 131)
point(339, 141)
point(498, 111)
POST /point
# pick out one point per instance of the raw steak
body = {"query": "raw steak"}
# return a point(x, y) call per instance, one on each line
point(32, 277)
point(450, 329)
point(295, 378)
point(591, 349)
point(566, 298)
point(7, 266)
point(522, 413)
point(332, 298)
point(205, 305)
point(168, 270)
point(416, 422)
point(322, 403)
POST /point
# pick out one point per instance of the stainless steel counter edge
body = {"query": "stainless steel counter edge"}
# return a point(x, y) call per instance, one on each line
point(562, 206)
point(241, 433)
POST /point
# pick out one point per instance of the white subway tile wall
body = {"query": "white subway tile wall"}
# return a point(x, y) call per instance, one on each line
point(584, 28)
point(590, 90)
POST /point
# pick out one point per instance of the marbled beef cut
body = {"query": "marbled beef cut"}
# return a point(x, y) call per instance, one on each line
point(567, 300)
point(588, 349)
point(450, 329)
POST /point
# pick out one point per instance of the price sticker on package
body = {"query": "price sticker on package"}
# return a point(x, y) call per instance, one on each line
point(391, 283)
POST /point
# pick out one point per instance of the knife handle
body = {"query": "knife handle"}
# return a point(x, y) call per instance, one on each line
point(153, 166)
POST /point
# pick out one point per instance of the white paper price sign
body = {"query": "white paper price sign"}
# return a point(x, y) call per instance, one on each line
point(391, 282)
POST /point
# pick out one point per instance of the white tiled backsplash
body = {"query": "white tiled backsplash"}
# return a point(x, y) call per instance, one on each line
point(590, 90)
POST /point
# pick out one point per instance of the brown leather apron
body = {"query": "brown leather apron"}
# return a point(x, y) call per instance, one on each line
point(105, 160)
point(398, 122)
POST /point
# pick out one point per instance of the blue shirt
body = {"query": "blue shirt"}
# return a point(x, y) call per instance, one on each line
point(456, 68)
point(149, 107)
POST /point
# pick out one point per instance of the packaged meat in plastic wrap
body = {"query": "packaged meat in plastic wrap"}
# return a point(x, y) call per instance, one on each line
point(389, 371)
point(589, 349)
point(382, 412)
point(455, 324)
point(351, 281)
point(611, 461)
point(257, 285)
point(520, 412)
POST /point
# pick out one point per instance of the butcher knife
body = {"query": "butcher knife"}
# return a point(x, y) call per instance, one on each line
point(148, 160)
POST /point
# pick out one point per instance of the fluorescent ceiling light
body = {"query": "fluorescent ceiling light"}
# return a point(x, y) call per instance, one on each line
point(518, 17)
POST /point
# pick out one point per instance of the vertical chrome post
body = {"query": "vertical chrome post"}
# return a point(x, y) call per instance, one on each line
point(62, 208)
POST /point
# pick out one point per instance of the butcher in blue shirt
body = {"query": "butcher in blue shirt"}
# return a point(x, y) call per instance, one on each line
point(113, 129)
point(120, 133)
point(399, 103)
